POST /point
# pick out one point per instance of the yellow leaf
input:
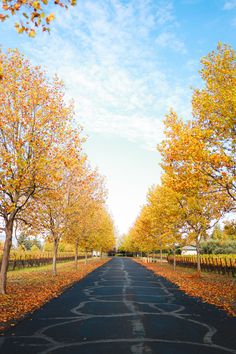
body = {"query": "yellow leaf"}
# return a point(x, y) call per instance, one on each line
point(50, 18)
point(36, 5)
point(32, 33)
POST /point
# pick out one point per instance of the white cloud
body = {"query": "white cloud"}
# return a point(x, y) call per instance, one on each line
point(106, 53)
point(233, 23)
point(169, 40)
point(191, 2)
point(165, 13)
point(229, 5)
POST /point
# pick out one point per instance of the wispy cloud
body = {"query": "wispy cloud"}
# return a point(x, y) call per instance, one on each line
point(107, 54)
point(165, 13)
point(229, 5)
point(170, 40)
point(233, 23)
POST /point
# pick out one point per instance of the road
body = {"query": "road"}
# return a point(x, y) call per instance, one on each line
point(123, 308)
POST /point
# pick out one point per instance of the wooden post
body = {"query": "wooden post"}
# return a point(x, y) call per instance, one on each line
point(174, 259)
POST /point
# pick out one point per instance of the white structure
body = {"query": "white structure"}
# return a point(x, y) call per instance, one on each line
point(188, 250)
point(96, 254)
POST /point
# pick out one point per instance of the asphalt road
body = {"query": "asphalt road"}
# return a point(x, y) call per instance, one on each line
point(123, 308)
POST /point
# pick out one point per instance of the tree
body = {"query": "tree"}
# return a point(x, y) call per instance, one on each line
point(87, 194)
point(230, 230)
point(201, 203)
point(34, 122)
point(207, 143)
point(35, 248)
point(143, 230)
point(167, 218)
point(83, 231)
point(51, 214)
point(103, 233)
point(159, 224)
point(214, 112)
point(125, 243)
point(32, 14)
point(24, 242)
point(54, 208)
point(217, 233)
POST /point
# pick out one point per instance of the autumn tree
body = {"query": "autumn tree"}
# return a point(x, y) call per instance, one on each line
point(201, 203)
point(207, 143)
point(32, 14)
point(126, 244)
point(88, 194)
point(93, 229)
point(160, 224)
point(140, 237)
point(33, 124)
point(168, 224)
point(52, 209)
point(145, 234)
point(51, 218)
point(230, 230)
point(214, 118)
point(217, 233)
point(104, 232)
point(198, 156)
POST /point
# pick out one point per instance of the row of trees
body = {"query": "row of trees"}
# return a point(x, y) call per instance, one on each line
point(227, 233)
point(47, 187)
point(198, 185)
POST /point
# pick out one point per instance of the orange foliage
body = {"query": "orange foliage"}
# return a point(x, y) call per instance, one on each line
point(29, 290)
point(212, 288)
point(33, 14)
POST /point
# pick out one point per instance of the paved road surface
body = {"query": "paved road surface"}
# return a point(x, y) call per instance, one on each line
point(122, 308)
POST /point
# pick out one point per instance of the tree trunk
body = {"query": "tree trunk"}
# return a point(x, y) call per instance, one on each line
point(54, 260)
point(76, 253)
point(161, 254)
point(101, 254)
point(198, 256)
point(85, 256)
point(174, 259)
point(6, 255)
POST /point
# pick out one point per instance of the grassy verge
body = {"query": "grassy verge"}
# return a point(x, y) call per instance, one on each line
point(28, 289)
point(60, 265)
point(215, 289)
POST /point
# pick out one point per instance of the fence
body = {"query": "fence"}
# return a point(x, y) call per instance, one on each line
point(157, 256)
point(31, 260)
point(221, 265)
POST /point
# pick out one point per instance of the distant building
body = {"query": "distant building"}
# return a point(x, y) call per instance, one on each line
point(96, 254)
point(188, 250)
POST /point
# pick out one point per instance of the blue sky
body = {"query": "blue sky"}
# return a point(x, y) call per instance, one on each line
point(126, 63)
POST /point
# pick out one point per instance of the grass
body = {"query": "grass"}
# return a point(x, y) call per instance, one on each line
point(60, 264)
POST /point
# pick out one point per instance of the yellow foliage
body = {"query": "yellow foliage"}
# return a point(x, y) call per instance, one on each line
point(33, 14)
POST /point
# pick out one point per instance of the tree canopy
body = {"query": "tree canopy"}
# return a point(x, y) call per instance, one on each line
point(32, 14)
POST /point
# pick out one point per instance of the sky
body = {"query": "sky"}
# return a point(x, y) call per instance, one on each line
point(125, 63)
